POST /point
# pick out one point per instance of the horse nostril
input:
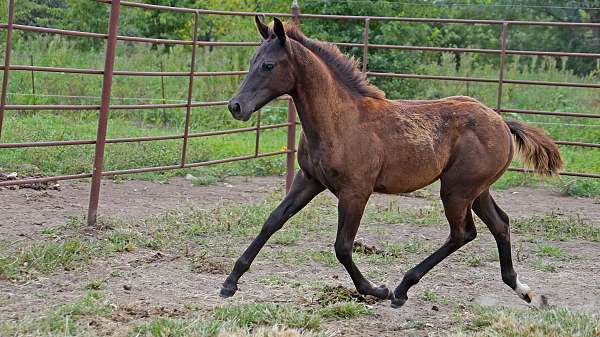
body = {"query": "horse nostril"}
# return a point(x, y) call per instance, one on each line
point(234, 108)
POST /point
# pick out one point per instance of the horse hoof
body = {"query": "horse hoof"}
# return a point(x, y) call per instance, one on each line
point(382, 292)
point(398, 302)
point(227, 292)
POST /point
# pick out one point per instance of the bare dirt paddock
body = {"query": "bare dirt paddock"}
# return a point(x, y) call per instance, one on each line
point(154, 264)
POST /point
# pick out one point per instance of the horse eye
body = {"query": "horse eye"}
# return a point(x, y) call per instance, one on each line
point(267, 66)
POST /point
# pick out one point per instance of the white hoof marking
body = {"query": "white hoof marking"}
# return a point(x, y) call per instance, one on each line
point(522, 290)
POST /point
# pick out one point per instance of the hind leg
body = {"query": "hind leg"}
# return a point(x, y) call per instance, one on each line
point(457, 206)
point(497, 221)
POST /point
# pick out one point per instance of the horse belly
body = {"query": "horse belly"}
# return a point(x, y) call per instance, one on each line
point(405, 173)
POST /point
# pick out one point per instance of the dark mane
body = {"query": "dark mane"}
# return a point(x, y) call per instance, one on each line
point(346, 68)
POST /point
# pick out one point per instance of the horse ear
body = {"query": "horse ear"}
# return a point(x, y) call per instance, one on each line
point(279, 30)
point(261, 27)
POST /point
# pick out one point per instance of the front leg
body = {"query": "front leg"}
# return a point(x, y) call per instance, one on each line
point(350, 210)
point(303, 190)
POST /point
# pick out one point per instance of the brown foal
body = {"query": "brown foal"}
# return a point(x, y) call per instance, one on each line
point(356, 142)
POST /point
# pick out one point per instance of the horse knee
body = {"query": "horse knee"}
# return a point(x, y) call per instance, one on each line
point(460, 239)
point(470, 235)
point(343, 252)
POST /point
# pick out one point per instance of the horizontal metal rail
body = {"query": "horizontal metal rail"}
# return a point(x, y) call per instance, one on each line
point(212, 162)
point(580, 144)
point(139, 170)
point(117, 106)
point(44, 179)
point(356, 17)
point(89, 71)
point(195, 135)
point(469, 50)
point(34, 107)
point(138, 139)
point(551, 113)
point(571, 174)
point(485, 80)
point(66, 32)
point(59, 31)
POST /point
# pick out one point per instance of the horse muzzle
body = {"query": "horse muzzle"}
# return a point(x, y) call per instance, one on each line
point(237, 112)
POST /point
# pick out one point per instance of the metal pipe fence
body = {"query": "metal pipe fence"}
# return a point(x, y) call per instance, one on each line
point(113, 38)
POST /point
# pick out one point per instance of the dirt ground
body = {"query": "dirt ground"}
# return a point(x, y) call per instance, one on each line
point(144, 282)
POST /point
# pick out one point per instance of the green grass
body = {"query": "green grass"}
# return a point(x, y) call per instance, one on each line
point(268, 314)
point(24, 126)
point(411, 245)
point(345, 310)
point(276, 280)
point(63, 320)
point(542, 265)
point(473, 260)
point(554, 227)
point(287, 236)
point(73, 319)
point(325, 257)
point(394, 213)
point(72, 247)
point(163, 326)
point(552, 251)
point(430, 295)
point(46, 257)
point(96, 285)
point(260, 319)
point(499, 321)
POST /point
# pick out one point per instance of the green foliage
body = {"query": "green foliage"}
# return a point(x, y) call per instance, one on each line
point(461, 36)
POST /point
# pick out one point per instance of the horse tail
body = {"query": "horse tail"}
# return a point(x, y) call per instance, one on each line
point(535, 148)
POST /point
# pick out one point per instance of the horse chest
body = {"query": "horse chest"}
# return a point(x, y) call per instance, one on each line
point(320, 165)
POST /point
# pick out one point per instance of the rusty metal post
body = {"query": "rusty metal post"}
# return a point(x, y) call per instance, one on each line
point(365, 60)
point(7, 52)
point(32, 78)
point(503, 38)
point(162, 89)
point(291, 131)
point(291, 146)
point(188, 109)
point(296, 12)
point(109, 61)
point(257, 144)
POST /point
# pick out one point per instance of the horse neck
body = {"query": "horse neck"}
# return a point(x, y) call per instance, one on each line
point(324, 105)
